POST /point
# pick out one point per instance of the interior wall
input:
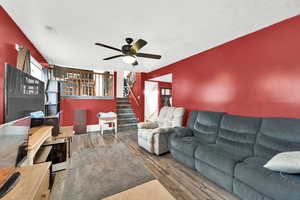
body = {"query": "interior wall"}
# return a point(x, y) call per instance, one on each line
point(10, 34)
point(255, 75)
point(93, 107)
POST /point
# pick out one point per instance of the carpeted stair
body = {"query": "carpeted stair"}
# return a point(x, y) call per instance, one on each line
point(126, 116)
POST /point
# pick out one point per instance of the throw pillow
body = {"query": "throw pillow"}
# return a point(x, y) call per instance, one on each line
point(288, 162)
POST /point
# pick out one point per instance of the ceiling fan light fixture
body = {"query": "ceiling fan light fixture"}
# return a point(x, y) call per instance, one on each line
point(129, 59)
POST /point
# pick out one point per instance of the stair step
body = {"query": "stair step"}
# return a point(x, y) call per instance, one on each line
point(126, 128)
point(123, 106)
point(122, 100)
point(126, 117)
point(126, 121)
point(125, 111)
point(127, 124)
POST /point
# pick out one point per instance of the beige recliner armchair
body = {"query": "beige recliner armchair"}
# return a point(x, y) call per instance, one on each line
point(153, 136)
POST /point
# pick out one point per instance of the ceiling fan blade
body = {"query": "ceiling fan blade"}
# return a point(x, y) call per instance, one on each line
point(117, 56)
point(135, 63)
point(147, 55)
point(138, 45)
point(106, 46)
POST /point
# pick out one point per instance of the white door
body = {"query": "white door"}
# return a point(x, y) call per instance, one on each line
point(151, 100)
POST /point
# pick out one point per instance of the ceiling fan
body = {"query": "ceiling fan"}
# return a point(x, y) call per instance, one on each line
point(130, 51)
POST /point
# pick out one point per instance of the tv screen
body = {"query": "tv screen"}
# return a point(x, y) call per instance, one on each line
point(13, 142)
point(23, 94)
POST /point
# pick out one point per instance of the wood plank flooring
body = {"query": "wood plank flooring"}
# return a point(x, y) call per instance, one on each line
point(183, 183)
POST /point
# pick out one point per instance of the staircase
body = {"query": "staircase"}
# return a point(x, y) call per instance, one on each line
point(126, 116)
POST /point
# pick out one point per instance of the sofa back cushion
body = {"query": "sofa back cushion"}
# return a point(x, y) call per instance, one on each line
point(238, 133)
point(170, 117)
point(277, 135)
point(205, 124)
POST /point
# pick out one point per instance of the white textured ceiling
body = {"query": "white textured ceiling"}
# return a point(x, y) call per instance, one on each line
point(176, 29)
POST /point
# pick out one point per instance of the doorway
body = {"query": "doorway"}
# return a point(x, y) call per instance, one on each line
point(151, 100)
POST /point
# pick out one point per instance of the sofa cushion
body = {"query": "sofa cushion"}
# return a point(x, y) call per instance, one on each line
point(252, 173)
point(238, 133)
point(185, 145)
point(215, 175)
point(218, 157)
point(205, 124)
point(277, 135)
point(182, 132)
point(188, 161)
point(246, 192)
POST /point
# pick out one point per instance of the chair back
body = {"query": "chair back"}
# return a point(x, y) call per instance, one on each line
point(170, 117)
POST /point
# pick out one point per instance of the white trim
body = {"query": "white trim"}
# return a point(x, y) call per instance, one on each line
point(95, 127)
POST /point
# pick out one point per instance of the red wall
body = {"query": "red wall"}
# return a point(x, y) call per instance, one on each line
point(255, 75)
point(93, 107)
point(10, 34)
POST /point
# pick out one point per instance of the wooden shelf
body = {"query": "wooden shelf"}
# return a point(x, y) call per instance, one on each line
point(42, 155)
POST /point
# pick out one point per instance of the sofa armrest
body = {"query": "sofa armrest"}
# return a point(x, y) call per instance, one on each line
point(147, 125)
point(182, 132)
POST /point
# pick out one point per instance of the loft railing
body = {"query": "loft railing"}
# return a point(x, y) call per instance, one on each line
point(76, 82)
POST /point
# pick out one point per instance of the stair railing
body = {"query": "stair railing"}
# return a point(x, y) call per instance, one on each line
point(130, 81)
point(133, 95)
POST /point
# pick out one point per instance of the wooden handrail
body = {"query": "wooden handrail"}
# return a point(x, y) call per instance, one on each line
point(134, 97)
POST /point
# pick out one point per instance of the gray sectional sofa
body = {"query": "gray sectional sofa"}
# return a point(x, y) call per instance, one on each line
point(231, 150)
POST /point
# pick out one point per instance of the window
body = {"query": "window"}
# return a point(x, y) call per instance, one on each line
point(36, 69)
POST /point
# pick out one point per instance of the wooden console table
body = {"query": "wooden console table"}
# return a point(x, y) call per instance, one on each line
point(41, 138)
point(39, 135)
point(65, 136)
point(33, 183)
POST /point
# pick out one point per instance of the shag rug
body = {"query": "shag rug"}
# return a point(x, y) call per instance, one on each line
point(98, 172)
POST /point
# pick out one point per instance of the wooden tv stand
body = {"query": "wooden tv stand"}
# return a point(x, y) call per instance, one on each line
point(39, 135)
point(33, 183)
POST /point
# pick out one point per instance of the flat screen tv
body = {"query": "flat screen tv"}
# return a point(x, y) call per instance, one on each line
point(13, 144)
point(23, 94)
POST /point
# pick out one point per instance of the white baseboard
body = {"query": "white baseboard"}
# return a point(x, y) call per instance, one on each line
point(91, 128)
point(95, 127)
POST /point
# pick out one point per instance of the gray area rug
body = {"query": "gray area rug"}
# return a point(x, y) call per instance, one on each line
point(99, 172)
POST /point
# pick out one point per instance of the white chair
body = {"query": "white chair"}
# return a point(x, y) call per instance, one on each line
point(153, 136)
point(107, 118)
